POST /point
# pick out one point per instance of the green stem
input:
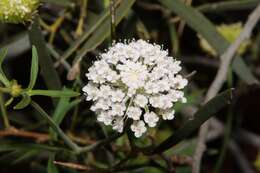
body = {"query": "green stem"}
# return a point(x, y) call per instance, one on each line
point(4, 113)
point(99, 143)
point(225, 142)
point(53, 93)
point(56, 128)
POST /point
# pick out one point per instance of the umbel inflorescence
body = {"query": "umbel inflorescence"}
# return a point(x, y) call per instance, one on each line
point(134, 80)
point(17, 11)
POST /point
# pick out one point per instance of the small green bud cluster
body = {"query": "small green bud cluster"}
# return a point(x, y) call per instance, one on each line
point(17, 11)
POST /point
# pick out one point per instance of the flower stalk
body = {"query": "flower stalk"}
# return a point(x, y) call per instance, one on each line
point(4, 113)
point(56, 128)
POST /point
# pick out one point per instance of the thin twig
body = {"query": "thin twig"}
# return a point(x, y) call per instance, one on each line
point(56, 55)
point(12, 131)
point(220, 78)
point(81, 139)
point(83, 14)
point(182, 160)
point(249, 137)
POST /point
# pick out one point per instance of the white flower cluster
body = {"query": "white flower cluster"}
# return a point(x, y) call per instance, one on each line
point(135, 80)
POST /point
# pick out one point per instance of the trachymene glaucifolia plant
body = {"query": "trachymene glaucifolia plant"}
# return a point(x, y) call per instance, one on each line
point(110, 86)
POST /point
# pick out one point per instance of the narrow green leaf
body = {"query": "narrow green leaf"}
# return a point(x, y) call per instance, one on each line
point(3, 78)
point(26, 100)
point(202, 115)
point(9, 101)
point(51, 167)
point(25, 156)
point(53, 93)
point(239, 66)
point(60, 114)
point(34, 68)
point(217, 7)
point(64, 105)
point(50, 76)
point(205, 28)
point(174, 38)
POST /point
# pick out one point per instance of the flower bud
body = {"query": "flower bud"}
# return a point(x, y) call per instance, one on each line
point(16, 89)
point(17, 11)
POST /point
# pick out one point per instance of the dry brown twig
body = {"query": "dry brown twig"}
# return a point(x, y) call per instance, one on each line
point(219, 80)
point(12, 131)
point(181, 160)
point(72, 165)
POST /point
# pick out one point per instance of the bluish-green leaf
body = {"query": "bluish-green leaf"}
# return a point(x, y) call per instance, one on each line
point(202, 115)
point(34, 68)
